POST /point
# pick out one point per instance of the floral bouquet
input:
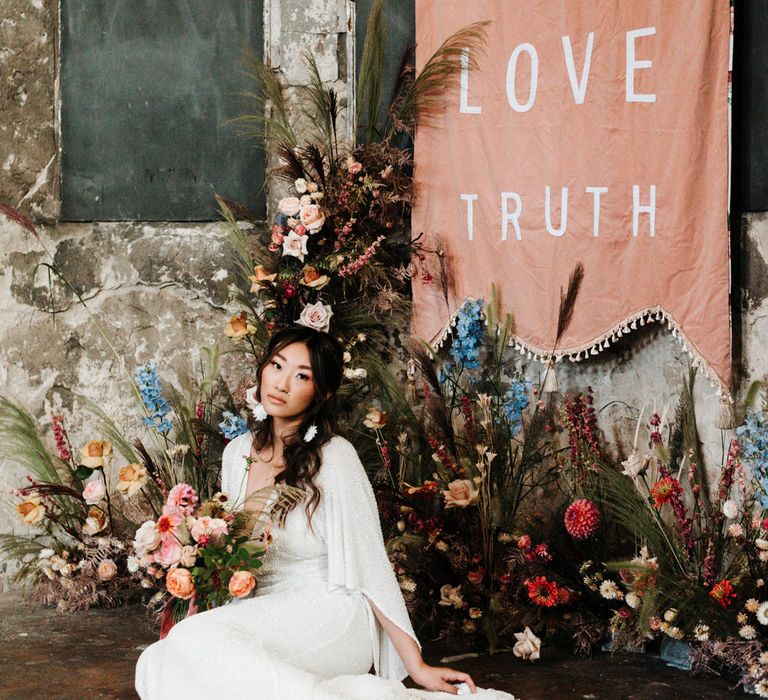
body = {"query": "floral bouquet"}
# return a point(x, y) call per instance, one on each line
point(206, 553)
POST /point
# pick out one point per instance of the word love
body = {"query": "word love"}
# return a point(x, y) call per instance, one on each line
point(512, 209)
point(578, 83)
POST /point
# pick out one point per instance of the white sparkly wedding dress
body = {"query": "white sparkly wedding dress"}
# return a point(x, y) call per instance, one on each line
point(309, 633)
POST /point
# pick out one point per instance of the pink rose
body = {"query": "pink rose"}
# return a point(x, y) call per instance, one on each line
point(460, 494)
point(295, 245)
point(277, 235)
point(107, 570)
point(182, 498)
point(354, 167)
point(312, 217)
point(289, 206)
point(179, 583)
point(241, 583)
point(317, 316)
point(169, 553)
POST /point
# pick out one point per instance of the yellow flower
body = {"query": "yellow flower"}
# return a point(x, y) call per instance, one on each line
point(261, 277)
point(238, 327)
point(31, 509)
point(96, 453)
point(131, 478)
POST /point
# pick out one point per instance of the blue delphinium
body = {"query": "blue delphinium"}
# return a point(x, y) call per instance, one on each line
point(467, 335)
point(753, 437)
point(148, 382)
point(515, 402)
point(232, 425)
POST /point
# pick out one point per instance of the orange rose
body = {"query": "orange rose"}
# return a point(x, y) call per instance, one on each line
point(313, 278)
point(241, 583)
point(95, 522)
point(179, 583)
point(131, 478)
point(375, 419)
point(31, 510)
point(260, 276)
point(238, 327)
point(96, 453)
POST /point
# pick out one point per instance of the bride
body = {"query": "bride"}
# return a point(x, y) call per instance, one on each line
point(328, 607)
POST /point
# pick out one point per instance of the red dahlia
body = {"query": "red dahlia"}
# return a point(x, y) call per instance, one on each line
point(581, 519)
point(722, 593)
point(542, 592)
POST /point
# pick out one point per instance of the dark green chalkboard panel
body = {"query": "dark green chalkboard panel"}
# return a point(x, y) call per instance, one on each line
point(400, 21)
point(147, 88)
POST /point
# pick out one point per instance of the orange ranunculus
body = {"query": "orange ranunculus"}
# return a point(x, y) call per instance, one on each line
point(241, 583)
point(31, 509)
point(96, 453)
point(179, 583)
point(238, 327)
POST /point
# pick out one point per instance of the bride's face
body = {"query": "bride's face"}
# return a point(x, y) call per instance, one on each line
point(287, 388)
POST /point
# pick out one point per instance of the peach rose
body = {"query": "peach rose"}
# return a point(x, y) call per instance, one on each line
point(31, 509)
point(312, 217)
point(312, 278)
point(241, 583)
point(179, 583)
point(375, 419)
point(107, 570)
point(95, 522)
point(261, 277)
point(317, 316)
point(131, 478)
point(238, 327)
point(460, 494)
point(289, 206)
point(96, 453)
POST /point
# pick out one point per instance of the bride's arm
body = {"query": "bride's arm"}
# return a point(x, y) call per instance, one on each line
point(429, 677)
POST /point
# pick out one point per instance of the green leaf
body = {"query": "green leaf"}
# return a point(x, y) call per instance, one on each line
point(82, 472)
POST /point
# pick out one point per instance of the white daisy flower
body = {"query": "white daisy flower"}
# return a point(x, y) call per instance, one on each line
point(762, 613)
point(752, 605)
point(761, 687)
point(747, 632)
point(730, 509)
point(763, 658)
point(701, 632)
point(610, 591)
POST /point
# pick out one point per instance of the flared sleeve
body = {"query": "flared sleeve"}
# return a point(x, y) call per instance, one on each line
point(357, 558)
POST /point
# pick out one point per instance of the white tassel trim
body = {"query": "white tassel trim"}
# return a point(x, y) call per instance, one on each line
point(595, 347)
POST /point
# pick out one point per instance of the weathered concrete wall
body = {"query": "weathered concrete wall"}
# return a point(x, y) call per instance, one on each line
point(162, 291)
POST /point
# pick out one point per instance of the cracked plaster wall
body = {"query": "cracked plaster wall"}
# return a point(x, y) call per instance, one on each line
point(162, 291)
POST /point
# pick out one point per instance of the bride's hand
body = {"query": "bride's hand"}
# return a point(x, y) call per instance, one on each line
point(440, 678)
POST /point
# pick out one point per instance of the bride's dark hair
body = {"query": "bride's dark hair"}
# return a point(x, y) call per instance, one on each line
point(301, 458)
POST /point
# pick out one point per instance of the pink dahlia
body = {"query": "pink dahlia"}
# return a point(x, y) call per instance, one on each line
point(581, 519)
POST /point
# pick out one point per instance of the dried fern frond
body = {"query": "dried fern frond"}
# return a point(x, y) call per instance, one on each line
point(270, 503)
point(270, 122)
point(291, 168)
point(369, 81)
point(568, 300)
point(322, 107)
point(424, 97)
point(19, 440)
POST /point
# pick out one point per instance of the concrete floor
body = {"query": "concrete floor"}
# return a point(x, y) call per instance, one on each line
point(46, 654)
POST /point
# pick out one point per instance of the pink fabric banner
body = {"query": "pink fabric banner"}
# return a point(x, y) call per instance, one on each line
point(591, 131)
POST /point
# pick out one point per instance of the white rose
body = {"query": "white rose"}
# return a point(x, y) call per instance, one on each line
point(527, 646)
point(633, 600)
point(147, 538)
point(295, 245)
point(300, 185)
point(730, 509)
point(633, 465)
point(133, 564)
point(317, 316)
point(289, 206)
point(188, 556)
point(45, 554)
point(94, 491)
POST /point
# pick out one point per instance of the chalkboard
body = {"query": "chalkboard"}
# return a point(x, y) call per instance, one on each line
point(147, 90)
point(400, 21)
point(750, 106)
